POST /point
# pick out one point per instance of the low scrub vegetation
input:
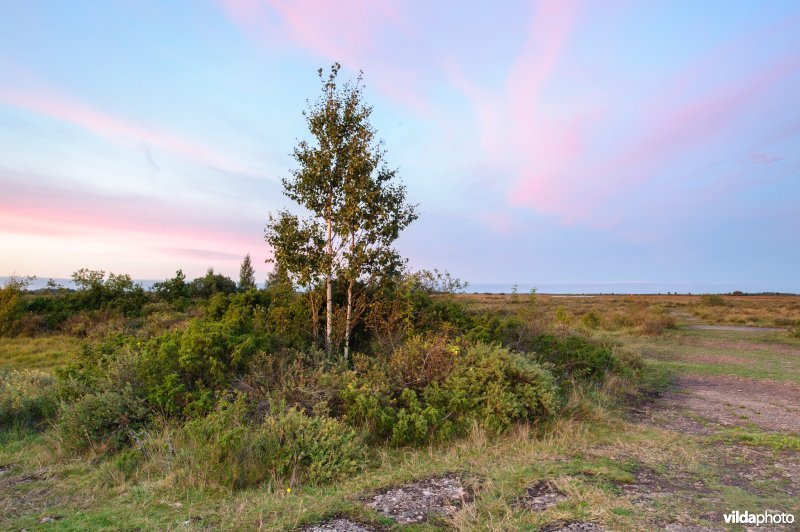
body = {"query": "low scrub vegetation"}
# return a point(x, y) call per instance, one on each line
point(27, 399)
point(233, 389)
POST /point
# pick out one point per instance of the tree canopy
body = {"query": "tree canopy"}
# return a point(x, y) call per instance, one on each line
point(357, 206)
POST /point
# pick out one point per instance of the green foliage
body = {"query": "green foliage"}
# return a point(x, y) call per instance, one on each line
point(11, 307)
point(210, 284)
point(101, 421)
point(357, 208)
point(480, 384)
point(436, 282)
point(712, 300)
point(27, 398)
point(590, 320)
point(117, 292)
point(175, 291)
point(230, 449)
point(574, 357)
point(247, 276)
point(183, 370)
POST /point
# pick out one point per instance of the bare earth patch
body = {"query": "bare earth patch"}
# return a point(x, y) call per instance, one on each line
point(661, 411)
point(415, 501)
point(740, 345)
point(572, 526)
point(23, 493)
point(730, 400)
point(699, 404)
point(541, 496)
point(680, 527)
point(739, 328)
point(650, 486)
point(339, 524)
point(758, 470)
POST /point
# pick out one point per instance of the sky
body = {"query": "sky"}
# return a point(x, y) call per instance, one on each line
point(547, 143)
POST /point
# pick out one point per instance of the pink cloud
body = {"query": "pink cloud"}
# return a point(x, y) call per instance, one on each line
point(61, 107)
point(560, 168)
point(549, 30)
point(569, 161)
point(351, 32)
point(48, 211)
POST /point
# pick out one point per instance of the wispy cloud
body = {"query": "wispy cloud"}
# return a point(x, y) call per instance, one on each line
point(353, 32)
point(59, 106)
point(564, 163)
point(48, 210)
point(764, 158)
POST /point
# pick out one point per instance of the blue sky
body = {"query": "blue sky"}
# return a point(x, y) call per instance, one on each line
point(546, 142)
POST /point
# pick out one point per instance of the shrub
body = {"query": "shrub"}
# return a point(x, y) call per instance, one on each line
point(227, 448)
point(575, 357)
point(422, 361)
point(486, 384)
point(26, 398)
point(712, 300)
point(590, 320)
point(11, 303)
point(183, 370)
point(498, 388)
point(654, 323)
point(296, 378)
point(101, 421)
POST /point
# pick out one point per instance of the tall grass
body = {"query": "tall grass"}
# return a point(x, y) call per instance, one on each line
point(42, 353)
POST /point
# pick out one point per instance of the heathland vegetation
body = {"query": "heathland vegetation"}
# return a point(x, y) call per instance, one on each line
point(343, 371)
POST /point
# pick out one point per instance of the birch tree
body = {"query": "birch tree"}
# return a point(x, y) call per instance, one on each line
point(357, 208)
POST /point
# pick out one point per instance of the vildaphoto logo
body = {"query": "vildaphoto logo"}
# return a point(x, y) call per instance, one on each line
point(764, 518)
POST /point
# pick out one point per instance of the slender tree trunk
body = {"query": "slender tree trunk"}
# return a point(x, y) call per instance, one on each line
point(329, 291)
point(349, 299)
point(314, 308)
point(347, 321)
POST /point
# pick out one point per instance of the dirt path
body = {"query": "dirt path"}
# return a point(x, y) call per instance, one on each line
point(744, 430)
point(713, 401)
point(739, 328)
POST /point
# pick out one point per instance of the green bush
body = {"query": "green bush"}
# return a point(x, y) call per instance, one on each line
point(302, 380)
point(486, 385)
point(228, 448)
point(574, 357)
point(590, 320)
point(26, 398)
point(101, 421)
point(182, 371)
point(712, 300)
point(499, 388)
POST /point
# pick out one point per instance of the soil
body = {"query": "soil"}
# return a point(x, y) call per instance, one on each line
point(741, 345)
point(731, 401)
point(541, 496)
point(338, 524)
point(651, 486)
point(740, 328)
point(705, 405)
point(756, 469)
point(572, 526)
point(414, 502)
point(702, 404)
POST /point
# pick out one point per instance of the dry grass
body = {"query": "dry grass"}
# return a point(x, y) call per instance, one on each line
point(587, 456)
point(648, 314)
point(43, 353)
